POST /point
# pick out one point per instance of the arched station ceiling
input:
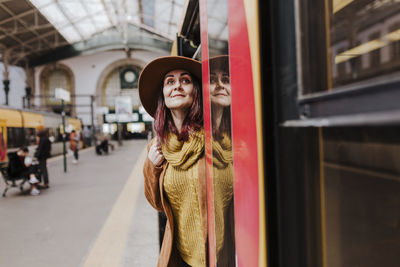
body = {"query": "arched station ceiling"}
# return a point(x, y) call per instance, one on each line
point(34, 32)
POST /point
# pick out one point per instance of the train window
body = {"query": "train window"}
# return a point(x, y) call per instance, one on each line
point(220, 102)
point(53, 134)
point(354, 37)
point(15, 137)
point(30, 136)
point(361, 185)
point(395, 46)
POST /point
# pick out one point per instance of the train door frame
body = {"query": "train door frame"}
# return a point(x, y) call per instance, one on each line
point(247, 134)
point(290, 202)
point(3, 140)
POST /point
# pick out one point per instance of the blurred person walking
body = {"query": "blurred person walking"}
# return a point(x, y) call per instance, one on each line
point(42, 154)
point(170, 91)
point(74, 145)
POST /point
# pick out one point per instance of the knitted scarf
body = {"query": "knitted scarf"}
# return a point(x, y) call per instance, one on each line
point(181, 182)
point(182, 154)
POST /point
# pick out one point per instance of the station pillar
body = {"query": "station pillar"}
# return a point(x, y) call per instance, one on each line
point(28, 92)
point(6, 84)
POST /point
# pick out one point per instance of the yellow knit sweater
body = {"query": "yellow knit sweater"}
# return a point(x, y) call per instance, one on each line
point(181, 187)
point(223, 187)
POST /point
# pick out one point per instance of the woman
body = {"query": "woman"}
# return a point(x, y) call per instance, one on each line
point(170, 92)
point(220, 96)
point(42, 154)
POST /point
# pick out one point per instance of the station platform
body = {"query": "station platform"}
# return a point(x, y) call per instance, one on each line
point(93, 215)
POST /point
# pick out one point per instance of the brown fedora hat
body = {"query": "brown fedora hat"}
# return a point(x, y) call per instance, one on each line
point(219, 62)
point(152, 76)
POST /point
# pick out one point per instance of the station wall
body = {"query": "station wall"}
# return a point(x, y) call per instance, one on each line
point(87, 70)
point(17, 79)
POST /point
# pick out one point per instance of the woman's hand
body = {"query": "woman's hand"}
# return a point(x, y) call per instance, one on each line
point(155, 154)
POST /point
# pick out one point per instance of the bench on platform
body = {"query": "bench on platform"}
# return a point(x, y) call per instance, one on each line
point(104, 147)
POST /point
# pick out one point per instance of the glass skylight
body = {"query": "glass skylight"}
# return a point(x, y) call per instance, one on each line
point(79, 20)
point(54, 15)
point(70, 31)
point(216, 13)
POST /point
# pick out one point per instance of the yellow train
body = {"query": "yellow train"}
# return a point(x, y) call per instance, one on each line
point(18, 128)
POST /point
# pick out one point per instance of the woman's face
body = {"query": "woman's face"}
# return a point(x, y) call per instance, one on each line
point(220, 88)
point(178, 90)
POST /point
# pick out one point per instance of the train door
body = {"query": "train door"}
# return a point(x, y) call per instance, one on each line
point(232, 115)
point(3, 141)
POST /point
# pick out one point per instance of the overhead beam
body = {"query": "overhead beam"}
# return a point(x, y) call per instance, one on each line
point(13, 30)
point(140, 4)
point(17, 16)
point(19, 56)
point(21, 43)
point(19, 19)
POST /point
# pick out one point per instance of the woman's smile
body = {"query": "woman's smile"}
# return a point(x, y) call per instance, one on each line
point(178, 95)
point(220, 94)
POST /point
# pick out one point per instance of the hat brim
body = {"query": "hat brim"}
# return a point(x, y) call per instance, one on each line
point(219, 62)
point(152, 76)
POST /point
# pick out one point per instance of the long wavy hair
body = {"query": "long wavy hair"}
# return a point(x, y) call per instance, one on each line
point(225, 126)
point(164, 124)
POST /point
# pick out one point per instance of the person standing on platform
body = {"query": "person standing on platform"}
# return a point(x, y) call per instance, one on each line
point(87, 134)
point(42, 154)
point(170, 91)
point(74, 145)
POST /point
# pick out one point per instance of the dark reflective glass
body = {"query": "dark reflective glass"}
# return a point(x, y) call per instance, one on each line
point(361, 185)
point(355, 42)
point(220, 97)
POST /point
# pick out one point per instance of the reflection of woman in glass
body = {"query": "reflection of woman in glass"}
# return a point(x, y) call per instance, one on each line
point(170, 91)
point(220, 95)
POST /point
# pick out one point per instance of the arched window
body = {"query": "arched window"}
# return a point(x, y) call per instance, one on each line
point(121, 81)
point(58, 76)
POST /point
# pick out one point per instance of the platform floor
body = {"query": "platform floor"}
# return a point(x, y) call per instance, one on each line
point(93, 215)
